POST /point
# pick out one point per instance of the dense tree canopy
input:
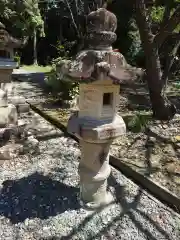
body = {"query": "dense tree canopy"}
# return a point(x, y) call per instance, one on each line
point(23, 18)
point(23, 15)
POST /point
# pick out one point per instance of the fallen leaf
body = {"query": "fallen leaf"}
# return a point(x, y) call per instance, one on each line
point(177, 138)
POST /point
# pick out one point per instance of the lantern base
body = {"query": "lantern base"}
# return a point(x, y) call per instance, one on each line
point(93, 206)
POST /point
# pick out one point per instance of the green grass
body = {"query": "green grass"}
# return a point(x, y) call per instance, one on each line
point(36, 68)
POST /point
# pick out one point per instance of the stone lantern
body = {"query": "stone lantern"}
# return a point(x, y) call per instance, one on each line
point(13, 131)
point(99, 71)
point(7, 63)
point(7, 43)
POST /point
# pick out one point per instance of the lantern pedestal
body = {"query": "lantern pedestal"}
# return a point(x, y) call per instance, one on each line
point(94, 171)
point(95, 138)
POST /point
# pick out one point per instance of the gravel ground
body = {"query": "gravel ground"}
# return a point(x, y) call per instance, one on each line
point(152, 157)
point(39, 195)
point(39, 200)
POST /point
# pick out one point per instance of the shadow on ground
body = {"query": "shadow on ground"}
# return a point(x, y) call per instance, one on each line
point(41, 197)
point(36, 196)
point(128, 208)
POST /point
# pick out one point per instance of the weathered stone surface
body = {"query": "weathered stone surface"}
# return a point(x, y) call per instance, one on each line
point(94, 170)
point(8, 42)
point(5, 74)
point(9, 88)
point(91, 100)
point(11, 129)
point(90, 129)
point(16, 100)
point(21, 104)
point(101, 27)
point(21, 127)
point(6, 133)
point(8, 115)
point(90, 66)
point(10, 151)
point(99, 70)
point(3, 98)
point(23, 108)
point(99, 61)
point(31, 145)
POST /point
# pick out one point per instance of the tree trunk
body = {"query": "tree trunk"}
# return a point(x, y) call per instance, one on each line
point(169, 61)
point(162, 108)
point(35, 47)
point(72, 17)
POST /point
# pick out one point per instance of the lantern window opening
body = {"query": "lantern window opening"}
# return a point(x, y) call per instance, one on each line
point(107, 99)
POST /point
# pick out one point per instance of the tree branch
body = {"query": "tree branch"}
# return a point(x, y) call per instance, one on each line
point(151, 52)
point(167, 28)
point(166, 15)
point(72, 17)
point(170, 60)
point(143, 23)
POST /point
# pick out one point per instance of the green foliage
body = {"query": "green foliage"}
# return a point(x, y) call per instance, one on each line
point(64, 48)
point(177, 85)
point(135, 47)
point(34, 19)
point(157, 13)
point(24, 15)
point(17, 59)
point(37, 68)
point(61, 87)
point(138, 122)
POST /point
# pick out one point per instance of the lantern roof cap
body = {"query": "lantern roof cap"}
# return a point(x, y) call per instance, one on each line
point(6, 40)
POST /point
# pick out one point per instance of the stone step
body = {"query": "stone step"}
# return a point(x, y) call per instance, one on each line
point(20, 103)
point(3, 98)
point(10, 151)
point(8, 115)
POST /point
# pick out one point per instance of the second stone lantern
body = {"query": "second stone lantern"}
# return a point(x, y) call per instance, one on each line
point(99, 71)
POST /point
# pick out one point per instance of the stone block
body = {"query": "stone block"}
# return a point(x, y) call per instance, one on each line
point(13, 128)
point(21, 104)
point(5, 75)
point(16, 100)
point(94, 130)
point(8, 87)
point(5, 134)
point(10, 151)
point(31, 145)
point(21, 126)
point(3, 98)
point(93, 99)
point(23, 108)
point(8, 115)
